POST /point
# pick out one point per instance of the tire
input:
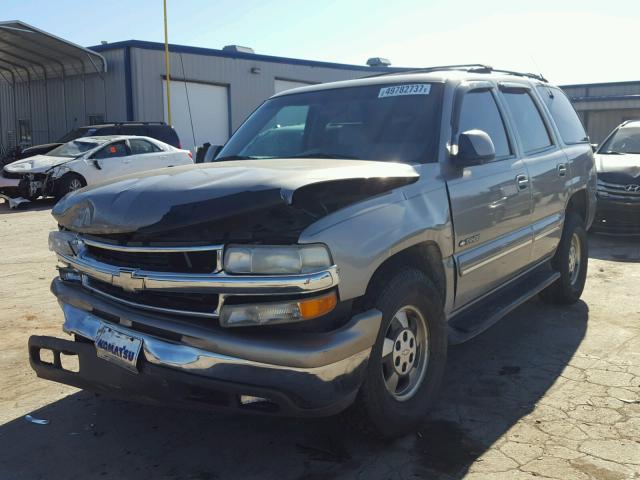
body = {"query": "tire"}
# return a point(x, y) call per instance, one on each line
point(68, 183)
point(571, 260)
point(379, 409)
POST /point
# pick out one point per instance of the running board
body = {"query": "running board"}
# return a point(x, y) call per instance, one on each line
point(477, 318)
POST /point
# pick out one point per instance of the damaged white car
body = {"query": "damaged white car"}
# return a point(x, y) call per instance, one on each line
point(86, 161)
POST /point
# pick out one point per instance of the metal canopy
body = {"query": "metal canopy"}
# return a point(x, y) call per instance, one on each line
point(27, 53)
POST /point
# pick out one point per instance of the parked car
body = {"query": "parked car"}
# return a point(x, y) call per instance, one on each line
point(618, 166)
point(87, 161)
point(158, 130)
point(402, 212)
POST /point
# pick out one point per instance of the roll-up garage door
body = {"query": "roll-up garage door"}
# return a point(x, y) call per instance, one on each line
point(199, 111)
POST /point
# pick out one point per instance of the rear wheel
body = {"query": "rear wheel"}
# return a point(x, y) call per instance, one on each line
point(571, 261)
point(407, 362)
point(68, 183)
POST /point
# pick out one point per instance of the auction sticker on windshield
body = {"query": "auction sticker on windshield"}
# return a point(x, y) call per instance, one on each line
point(118, 348)
point(398, 90)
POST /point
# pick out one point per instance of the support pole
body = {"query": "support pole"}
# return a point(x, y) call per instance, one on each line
point(166, 63)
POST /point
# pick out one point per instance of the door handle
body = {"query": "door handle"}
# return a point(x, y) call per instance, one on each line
point(562, 169)
point(522, 181)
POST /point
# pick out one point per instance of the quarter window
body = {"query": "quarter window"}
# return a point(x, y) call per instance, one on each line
point(480, 112)
point(566, 118)
point(528, 122)
point(139, 147)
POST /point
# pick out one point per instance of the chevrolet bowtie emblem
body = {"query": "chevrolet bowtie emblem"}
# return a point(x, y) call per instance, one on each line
point(127, 280)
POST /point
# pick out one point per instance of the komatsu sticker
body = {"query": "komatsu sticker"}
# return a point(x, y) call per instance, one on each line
point(398, 90)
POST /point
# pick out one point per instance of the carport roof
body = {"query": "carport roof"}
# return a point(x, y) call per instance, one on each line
point(27, 52)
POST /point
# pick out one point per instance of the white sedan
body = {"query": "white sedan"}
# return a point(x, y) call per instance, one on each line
point(87, 161)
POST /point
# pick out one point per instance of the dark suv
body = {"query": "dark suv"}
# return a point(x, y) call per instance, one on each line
point(158, 130)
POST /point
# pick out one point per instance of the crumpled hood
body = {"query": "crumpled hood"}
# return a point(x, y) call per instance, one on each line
point(251, 195)
point(39, 164)
point(619, 169)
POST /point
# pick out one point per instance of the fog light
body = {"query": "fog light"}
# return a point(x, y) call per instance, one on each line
point(280, 312)
point(69, 275)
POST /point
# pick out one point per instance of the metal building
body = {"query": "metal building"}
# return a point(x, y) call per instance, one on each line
point(603, 106)
point(48, 86)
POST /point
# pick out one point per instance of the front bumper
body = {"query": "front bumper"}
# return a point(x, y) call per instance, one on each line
point(617, 217)
point(185, 363)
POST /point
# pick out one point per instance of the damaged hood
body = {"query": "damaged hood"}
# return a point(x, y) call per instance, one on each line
point(231, 200)
point(36, 164)
point(619, 169)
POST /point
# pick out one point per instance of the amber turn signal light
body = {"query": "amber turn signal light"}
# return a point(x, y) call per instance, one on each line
point(317, 306)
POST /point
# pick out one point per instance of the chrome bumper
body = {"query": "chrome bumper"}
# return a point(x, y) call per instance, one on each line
point(315, 371)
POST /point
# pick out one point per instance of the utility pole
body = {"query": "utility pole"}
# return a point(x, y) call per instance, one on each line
point(166, 63)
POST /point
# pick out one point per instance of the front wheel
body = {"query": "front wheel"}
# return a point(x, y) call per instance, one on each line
point(570, 260)
point(68, 183)
point(407, 362)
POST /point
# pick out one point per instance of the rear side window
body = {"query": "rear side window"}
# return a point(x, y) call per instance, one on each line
point(479, 111)
point(106, 131)
point(139, 146)
point(566, 118)
point(134, 130)
point(528, 121)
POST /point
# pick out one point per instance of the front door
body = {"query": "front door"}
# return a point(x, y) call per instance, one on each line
point(110, 162)
point(490, 203)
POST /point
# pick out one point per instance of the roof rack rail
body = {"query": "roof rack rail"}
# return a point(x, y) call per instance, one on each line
point(470, 67)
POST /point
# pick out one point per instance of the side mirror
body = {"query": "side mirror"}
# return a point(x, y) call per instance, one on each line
point(474, 148)
point(594, 147)
point(212, 153)
point(96, 163)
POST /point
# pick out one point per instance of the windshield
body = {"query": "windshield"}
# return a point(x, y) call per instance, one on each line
point(398, 123)
point(73, 149)
point(625, 140)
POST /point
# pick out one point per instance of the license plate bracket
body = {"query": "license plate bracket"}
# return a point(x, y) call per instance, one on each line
point(118, 347)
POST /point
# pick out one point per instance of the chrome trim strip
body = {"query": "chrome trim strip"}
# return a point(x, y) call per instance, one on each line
point(546, 233)
point(495, 257)
point(167, 249)
point(132, 279)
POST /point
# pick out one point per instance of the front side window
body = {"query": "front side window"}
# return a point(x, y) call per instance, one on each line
point(397, 123)
point(116, 149)
point(480, 112)
point(566, 118)
point(528, 122)
point(140, 147)
point(625, 140)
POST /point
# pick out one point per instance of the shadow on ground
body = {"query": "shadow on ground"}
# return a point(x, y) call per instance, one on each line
point(491, 382)
point(36, 205)
point(617, 249)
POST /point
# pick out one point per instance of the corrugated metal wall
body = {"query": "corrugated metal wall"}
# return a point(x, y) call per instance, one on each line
point(246, 90)
point(69, 104)
point(602, 107)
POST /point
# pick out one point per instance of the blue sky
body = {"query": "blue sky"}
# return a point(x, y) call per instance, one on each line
point(569, 41)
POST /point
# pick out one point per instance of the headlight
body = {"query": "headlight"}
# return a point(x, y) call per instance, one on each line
point(286, 259)
point(64, 243)
point(277, 312)
point(20, 167)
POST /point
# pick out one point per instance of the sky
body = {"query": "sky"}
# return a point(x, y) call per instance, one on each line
point(568, 41)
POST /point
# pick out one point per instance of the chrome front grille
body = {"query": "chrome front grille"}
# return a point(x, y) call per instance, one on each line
point(185, 280)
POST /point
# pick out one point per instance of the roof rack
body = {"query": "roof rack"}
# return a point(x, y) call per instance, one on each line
point(135, 123)
point(470, 67)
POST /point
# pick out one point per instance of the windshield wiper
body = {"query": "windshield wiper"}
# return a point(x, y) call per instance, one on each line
point(324, 155)
point(235, 157)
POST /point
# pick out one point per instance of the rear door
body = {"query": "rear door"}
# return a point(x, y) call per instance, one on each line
point(145, 155)
point(490, 203)
point(545, 161)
